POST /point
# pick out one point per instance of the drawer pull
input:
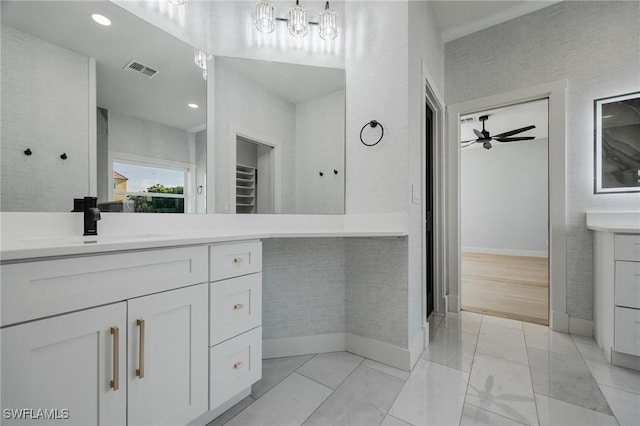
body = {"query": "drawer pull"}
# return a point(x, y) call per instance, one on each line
point(238, 260)
point(115, 383)
point(238, 306)
point(237, 365)
point(140, 369)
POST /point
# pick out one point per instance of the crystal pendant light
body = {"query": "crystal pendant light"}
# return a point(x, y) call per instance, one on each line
point(200, 59)
point(265, 16)
point(298, 21)
point(328, 21)
point(178, 2)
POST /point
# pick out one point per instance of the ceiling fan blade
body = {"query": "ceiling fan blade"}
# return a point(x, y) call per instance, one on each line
point(478, 134)
point(514, 132)
point(469, 144)
point(517, 138)
point(470, 140)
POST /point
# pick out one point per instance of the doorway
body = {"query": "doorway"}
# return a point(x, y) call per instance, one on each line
point(254, 177)
point(428, 205)
point(504, 212)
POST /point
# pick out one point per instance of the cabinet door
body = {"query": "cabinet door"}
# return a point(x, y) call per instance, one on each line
point(168, 368)
point(67, 363)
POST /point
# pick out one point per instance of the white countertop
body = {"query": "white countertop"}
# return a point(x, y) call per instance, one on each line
point(125, 232)
point(621, 222)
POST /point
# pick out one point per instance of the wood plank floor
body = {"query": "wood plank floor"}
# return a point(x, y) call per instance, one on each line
point(513, 287)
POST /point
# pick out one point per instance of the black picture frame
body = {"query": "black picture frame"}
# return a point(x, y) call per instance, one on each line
point(617, 144)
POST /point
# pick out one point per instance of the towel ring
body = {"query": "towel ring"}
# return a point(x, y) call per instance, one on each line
point(373, 124)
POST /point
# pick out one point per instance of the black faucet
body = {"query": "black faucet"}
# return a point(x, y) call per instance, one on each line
point(88, 205)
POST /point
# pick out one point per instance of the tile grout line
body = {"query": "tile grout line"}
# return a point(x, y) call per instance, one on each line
point(535, 401)
point(496, 414)
point(473, 361)
point(594, 378)
point(332, 391)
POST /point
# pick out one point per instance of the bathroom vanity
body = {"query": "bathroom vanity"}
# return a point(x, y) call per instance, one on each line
point(616, 270)
point(137, 328)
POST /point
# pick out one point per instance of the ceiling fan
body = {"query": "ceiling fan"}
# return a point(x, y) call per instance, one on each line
point(485, 137)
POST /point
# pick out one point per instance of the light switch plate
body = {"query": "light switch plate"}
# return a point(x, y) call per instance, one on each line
point(415, 194)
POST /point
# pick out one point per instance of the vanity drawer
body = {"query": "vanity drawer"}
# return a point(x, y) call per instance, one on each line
point(234, 366)
point(235, 306)
point(627, 331)
point(627, 247)
point(233, 260)
point(38, 289)
point(628, 284)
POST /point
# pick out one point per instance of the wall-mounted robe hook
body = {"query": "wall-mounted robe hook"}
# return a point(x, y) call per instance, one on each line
point(335, 172)
point(28, 151)
point(321, 174)
point(64, 156)
point(373, 124)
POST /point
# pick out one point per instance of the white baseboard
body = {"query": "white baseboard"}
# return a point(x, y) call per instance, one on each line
point(454, 303)
point(303, 345)
point(559, 321)
point(625, 360)
point(581, 327)
point(385, 353)
point(506, 252)
point(209, 416)
point(417, 346)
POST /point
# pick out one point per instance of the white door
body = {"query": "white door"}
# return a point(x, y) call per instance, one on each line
point(168, 367)
point(66, 365)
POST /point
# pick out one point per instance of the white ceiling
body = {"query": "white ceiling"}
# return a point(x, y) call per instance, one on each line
point(460, 18)
point(162, 99)
point(509, 118)
point(295, 83)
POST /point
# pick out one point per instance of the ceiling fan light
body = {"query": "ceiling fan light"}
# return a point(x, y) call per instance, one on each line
point(328, 21)
point(486, 145)
point(298, 21)
point(265, 16)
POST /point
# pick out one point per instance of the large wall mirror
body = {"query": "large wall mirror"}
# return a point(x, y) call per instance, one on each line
point(117, 111)
point(120, 112)
point(280, 132)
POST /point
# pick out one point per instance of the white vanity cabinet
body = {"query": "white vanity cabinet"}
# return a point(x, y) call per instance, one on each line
point(617, 296)
point(235, 328)
point(139, 359)
point(73, 362)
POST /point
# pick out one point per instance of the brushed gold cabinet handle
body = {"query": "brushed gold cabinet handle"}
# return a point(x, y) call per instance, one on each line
point(238, 260)
point(238, 306)
point(115, 383)
point(237, 365)
point(140, 369)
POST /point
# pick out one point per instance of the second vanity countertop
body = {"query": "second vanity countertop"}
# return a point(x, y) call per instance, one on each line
point(119, 237)
point(620, 222)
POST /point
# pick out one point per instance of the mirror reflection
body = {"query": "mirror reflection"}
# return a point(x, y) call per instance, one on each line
point(121, 99)
point(279, 138)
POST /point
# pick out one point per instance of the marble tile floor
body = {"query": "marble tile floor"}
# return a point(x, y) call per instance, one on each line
point(477, 370)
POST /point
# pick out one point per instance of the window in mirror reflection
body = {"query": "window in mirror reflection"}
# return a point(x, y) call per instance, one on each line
point(146, 188)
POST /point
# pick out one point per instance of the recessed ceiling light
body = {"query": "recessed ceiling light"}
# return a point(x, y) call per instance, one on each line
point(101, 19)
point(607, 116)
point(194, 106)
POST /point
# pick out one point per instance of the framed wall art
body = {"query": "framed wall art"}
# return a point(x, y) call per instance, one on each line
point(617, 144)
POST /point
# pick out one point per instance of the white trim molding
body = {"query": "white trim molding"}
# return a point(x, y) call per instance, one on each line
point(303, 345)
point(555, 92)
point(581, 327)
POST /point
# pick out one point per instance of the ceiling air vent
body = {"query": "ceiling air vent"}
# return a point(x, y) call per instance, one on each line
point(468, 119)
point(142, 70)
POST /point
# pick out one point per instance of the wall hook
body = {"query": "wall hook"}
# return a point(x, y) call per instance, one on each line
point(321, 174)
point(28, 151)
point(64, 156)
point(373, 124)
point(335, 172)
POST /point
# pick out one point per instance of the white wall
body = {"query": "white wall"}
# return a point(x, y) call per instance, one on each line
point(251, 109)
point(320, 148)
point(504, 198)
point(136, 136)
point(596, 46)
point(37, 78)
